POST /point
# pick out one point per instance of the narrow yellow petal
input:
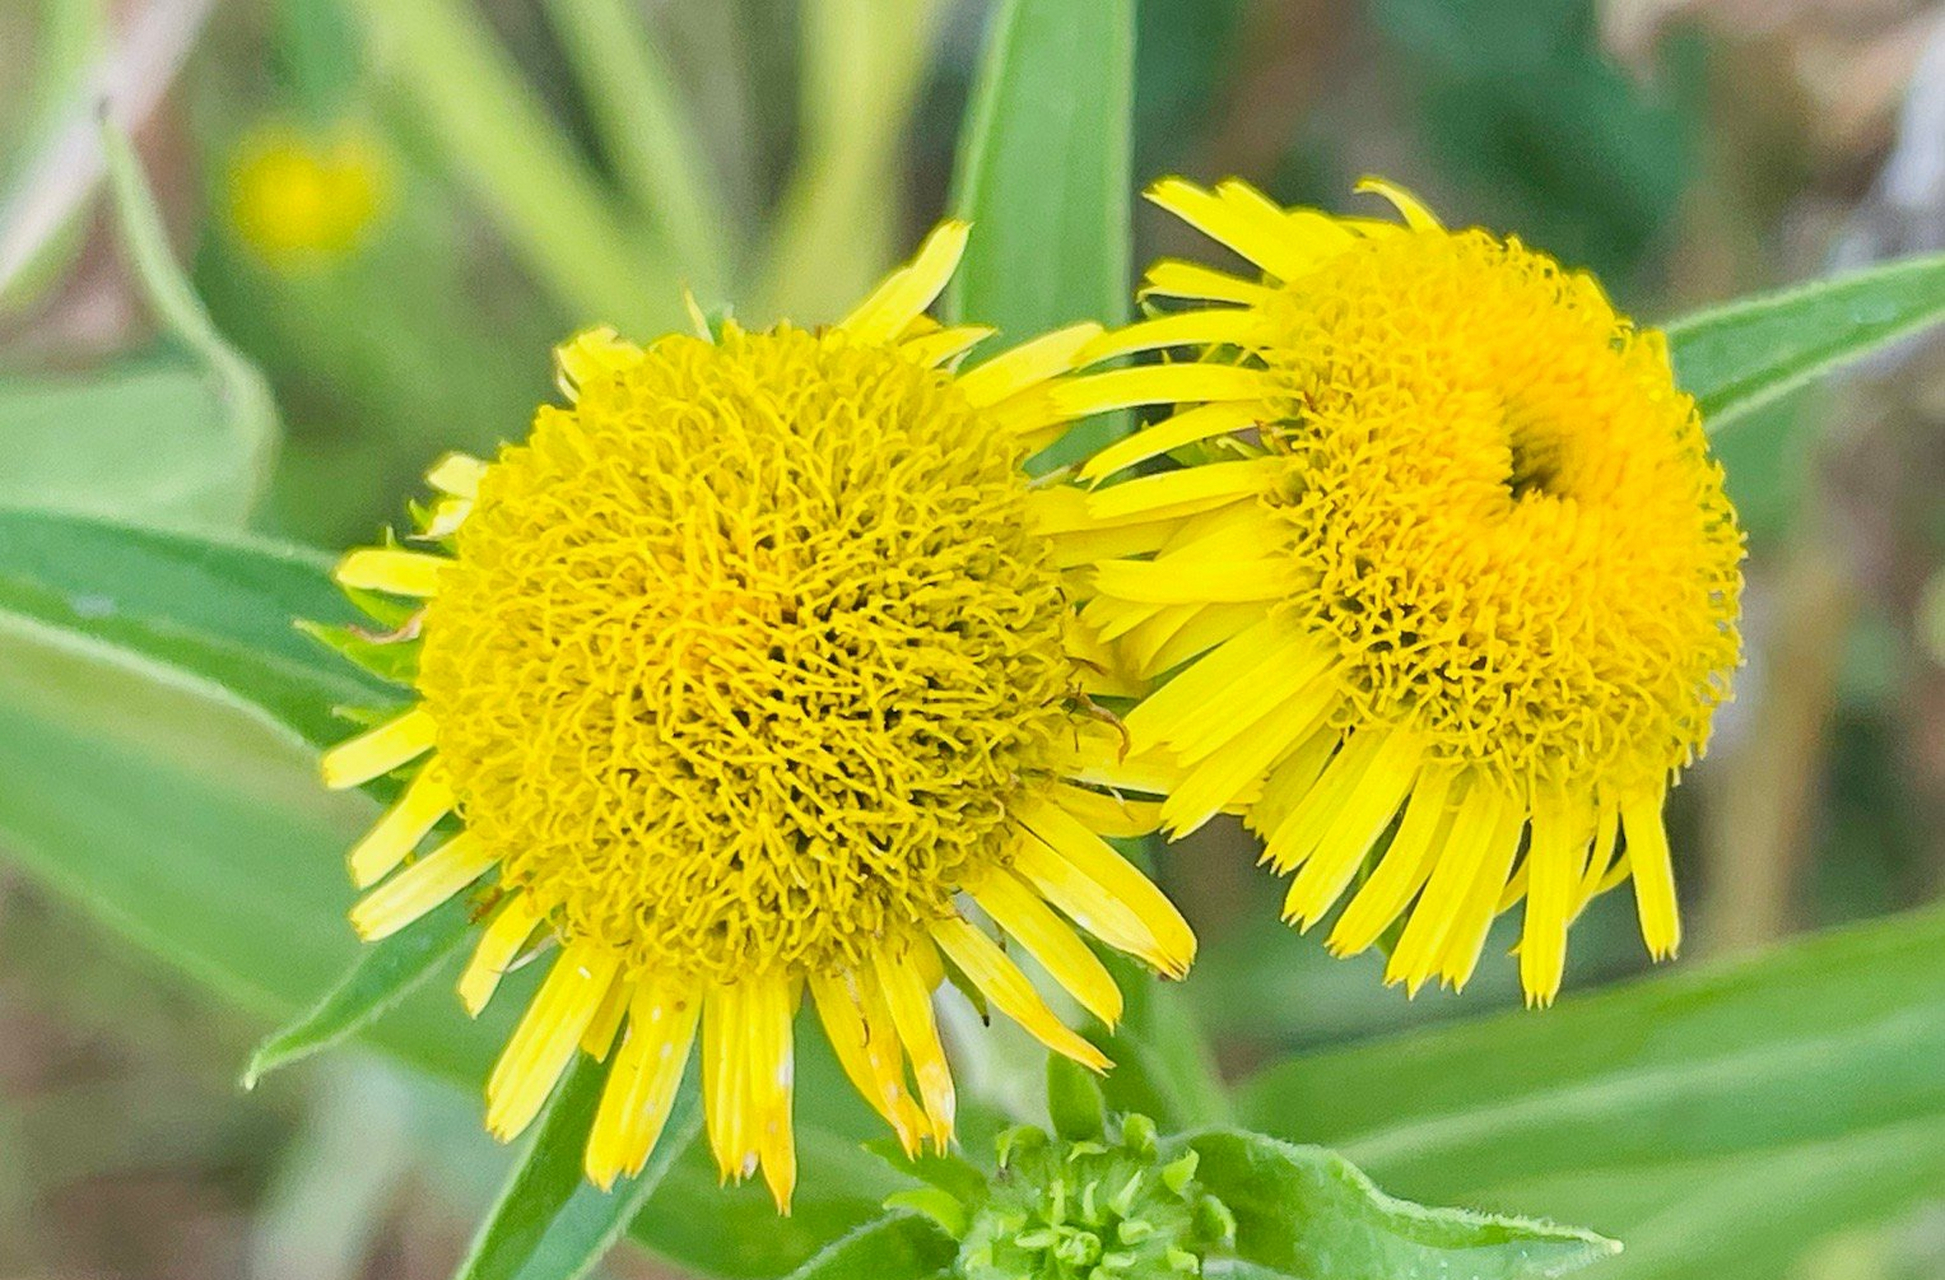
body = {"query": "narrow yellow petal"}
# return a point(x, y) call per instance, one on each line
point(1170, 945)
point(1114, 816)
point(1553, 870)
point(393, 571)
point(1374, 762)
point(1262, 697)
point(500, 944)
point(544, 1042)
point(446, 516)
point(591, 354)
point(1290, 779)
point(940, 345)
point(1201, 327)
point(421, 887)
point(1407, 862)
point(1025, 916)
point(1171, 433)
point(1220, 777)
point(1455, 866)
point(1009, 991)
point(873, 1061)
point(1097, 755)
point(1346, 842)
point(457, 474)
point(641, 1088)
point(725, 1081)
point(1459, 954)
point(1654, 873)
point(378, 751)
point(1253, 229)
point(907, 292)
point(1160, 646)
point(426, 800)
point(599, 1038)
point(1027, 365)
point(1601, 858)
point(1174, 279)
point(1409, 206)
point(1171, 581)
point(1190, 490)
point(1175, 707)
point(910, 1002)
point(1159, 384)
point(768, 1010)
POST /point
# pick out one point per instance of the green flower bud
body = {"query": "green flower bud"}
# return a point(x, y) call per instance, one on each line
point(1125, 1207)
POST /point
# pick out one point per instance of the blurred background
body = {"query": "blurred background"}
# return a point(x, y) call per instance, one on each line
point(395, 208)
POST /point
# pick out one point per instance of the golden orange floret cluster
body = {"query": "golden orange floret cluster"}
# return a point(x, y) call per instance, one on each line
point(1503, 511)
point(769, 609)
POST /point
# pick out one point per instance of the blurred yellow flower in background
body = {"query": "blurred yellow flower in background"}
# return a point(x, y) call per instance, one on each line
point(1452, 579)
point(738, 672)
point(300, 200)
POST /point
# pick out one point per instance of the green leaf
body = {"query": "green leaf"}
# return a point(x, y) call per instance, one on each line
point(1044, 169)
point(385, 973)
point(1044, 178)
point(550, 1222)
point(1307, 1212)
point(217, 613)
point(144, 440)
point(899, 1246)
point(1739, 357)
point(1675, 1113)
point(1162, 1067)
point(1074, 1101)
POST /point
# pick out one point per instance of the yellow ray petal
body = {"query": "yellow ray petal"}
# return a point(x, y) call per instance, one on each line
point(1152, 651)
point(1198, 328)
point(1261, 702)
point(1409, 206)
point(1171, 433)
point(1170, 943)
point(1553, 869)
point(641, 1088)
point(1175, 708)
point(426, 800)
point(599, 1038)
point(1254, 230)
point(1114, 816)
point(1374, 763)
point(772, 1077)
point(393, 571)
point(544, 1042)
point(1422, 834)
point(1601, 857)
point(909, 999)
point(591, 354)
point(1159, 384)
point(1170, 580)
point(1290, 779)
point(1009, 991)
point(873, 1061)
point(421, 887)
point(940, 345)
point(1020, 911)
point(1188, 491)
point(1455, 866)
point(457, 474)
point(1367, 810)
point(378, 751)
point(500, 944)
point(1026, 366)
point(908, 291)
point(1097, 755)
point(1654, 873)
point(1459, 954)
point(1223, 775)
point(1170, 278)
point(725, 1081)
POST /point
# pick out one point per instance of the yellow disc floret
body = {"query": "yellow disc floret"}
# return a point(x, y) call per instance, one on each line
point(745, 654)
point(1450, 582)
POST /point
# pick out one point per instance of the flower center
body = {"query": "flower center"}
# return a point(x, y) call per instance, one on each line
point(746, 653)
point(1506, 510)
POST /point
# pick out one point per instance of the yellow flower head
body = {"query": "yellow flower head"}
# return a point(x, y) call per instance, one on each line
point(1452, 583)
point(299, 201)
point(745, 674)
